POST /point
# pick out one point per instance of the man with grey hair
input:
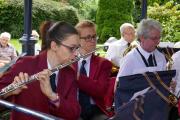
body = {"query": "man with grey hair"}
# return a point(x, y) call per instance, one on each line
point(116, 49)
point(7, 52)
point(145, 57)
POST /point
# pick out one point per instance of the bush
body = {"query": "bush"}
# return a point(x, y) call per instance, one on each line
point(110, 15)
point(169, 16)
point(12, 14)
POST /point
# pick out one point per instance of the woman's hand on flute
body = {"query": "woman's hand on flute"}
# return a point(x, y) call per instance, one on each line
point(18, 79)
point(45, 85)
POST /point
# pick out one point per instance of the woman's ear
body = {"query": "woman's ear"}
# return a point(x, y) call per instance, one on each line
point(54, 46)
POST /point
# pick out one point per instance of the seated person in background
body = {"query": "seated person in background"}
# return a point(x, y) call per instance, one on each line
point(7, 51)
point(93, 72)
point(116, 49)
point(37, 46)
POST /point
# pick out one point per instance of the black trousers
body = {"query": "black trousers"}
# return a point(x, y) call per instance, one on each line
point(91, 113)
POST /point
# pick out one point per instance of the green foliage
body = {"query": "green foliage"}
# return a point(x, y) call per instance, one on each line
point(110, 15)
point(160, 2)
point(137, 11)
point(12, 14)
point(169, 16)
point(86, 8)
point(138, 7)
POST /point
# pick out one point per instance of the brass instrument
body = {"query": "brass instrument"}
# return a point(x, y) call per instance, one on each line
point(170, 63)
point(170, 60)
point(128, 49)
point(167, 53)
point(13, 86)
point(172, 98)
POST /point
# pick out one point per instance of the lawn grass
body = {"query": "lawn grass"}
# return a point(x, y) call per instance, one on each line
point(18, 46)
point(16, 43)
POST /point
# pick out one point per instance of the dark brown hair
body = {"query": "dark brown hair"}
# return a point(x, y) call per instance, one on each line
point(44, 27)
point(59, 31)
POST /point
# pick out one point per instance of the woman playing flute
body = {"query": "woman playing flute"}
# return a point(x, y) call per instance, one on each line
point(58, 97)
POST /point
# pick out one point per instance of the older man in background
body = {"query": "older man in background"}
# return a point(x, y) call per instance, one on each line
point(116, 49)
point(7, 51)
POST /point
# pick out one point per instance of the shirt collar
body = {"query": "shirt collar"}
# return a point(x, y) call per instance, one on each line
point(87, 59)
point(49, 67)
point(144, 53)
point(124, 42)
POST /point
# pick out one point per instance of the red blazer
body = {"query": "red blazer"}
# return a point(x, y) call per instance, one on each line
point(34, 99)
point(97, 83)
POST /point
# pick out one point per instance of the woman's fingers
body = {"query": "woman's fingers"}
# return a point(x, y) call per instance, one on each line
point(44, 74)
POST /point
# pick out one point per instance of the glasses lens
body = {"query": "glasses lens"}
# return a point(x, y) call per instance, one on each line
point(90, 38)
point(72, 49)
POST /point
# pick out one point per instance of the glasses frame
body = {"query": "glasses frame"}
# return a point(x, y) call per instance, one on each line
point(90, 38)
point(72, 49)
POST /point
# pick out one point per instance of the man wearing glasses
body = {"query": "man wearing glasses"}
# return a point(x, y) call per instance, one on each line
point(93, 73)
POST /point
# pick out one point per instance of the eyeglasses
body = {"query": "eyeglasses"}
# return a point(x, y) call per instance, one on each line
point(155, 38)
point(72, 49)
point(90, 38)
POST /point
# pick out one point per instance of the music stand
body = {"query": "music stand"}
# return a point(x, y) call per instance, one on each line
point(154, 106)
point(34, 113)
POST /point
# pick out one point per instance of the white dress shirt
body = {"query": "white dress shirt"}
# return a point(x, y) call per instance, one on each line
point(134, 64)
point(116, 50)
point(56, 72)
point(176, 66)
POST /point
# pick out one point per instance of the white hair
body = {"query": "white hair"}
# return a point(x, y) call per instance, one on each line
point(124, 26)
point(146, 25)
point(5, 34)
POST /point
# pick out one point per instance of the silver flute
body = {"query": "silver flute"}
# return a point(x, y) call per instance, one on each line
point(13, 86)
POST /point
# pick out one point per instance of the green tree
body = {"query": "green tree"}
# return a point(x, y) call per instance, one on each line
point(86, 8)
point(11, 12)
point(160, 2)
point(110, 15)
point(169, 16)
